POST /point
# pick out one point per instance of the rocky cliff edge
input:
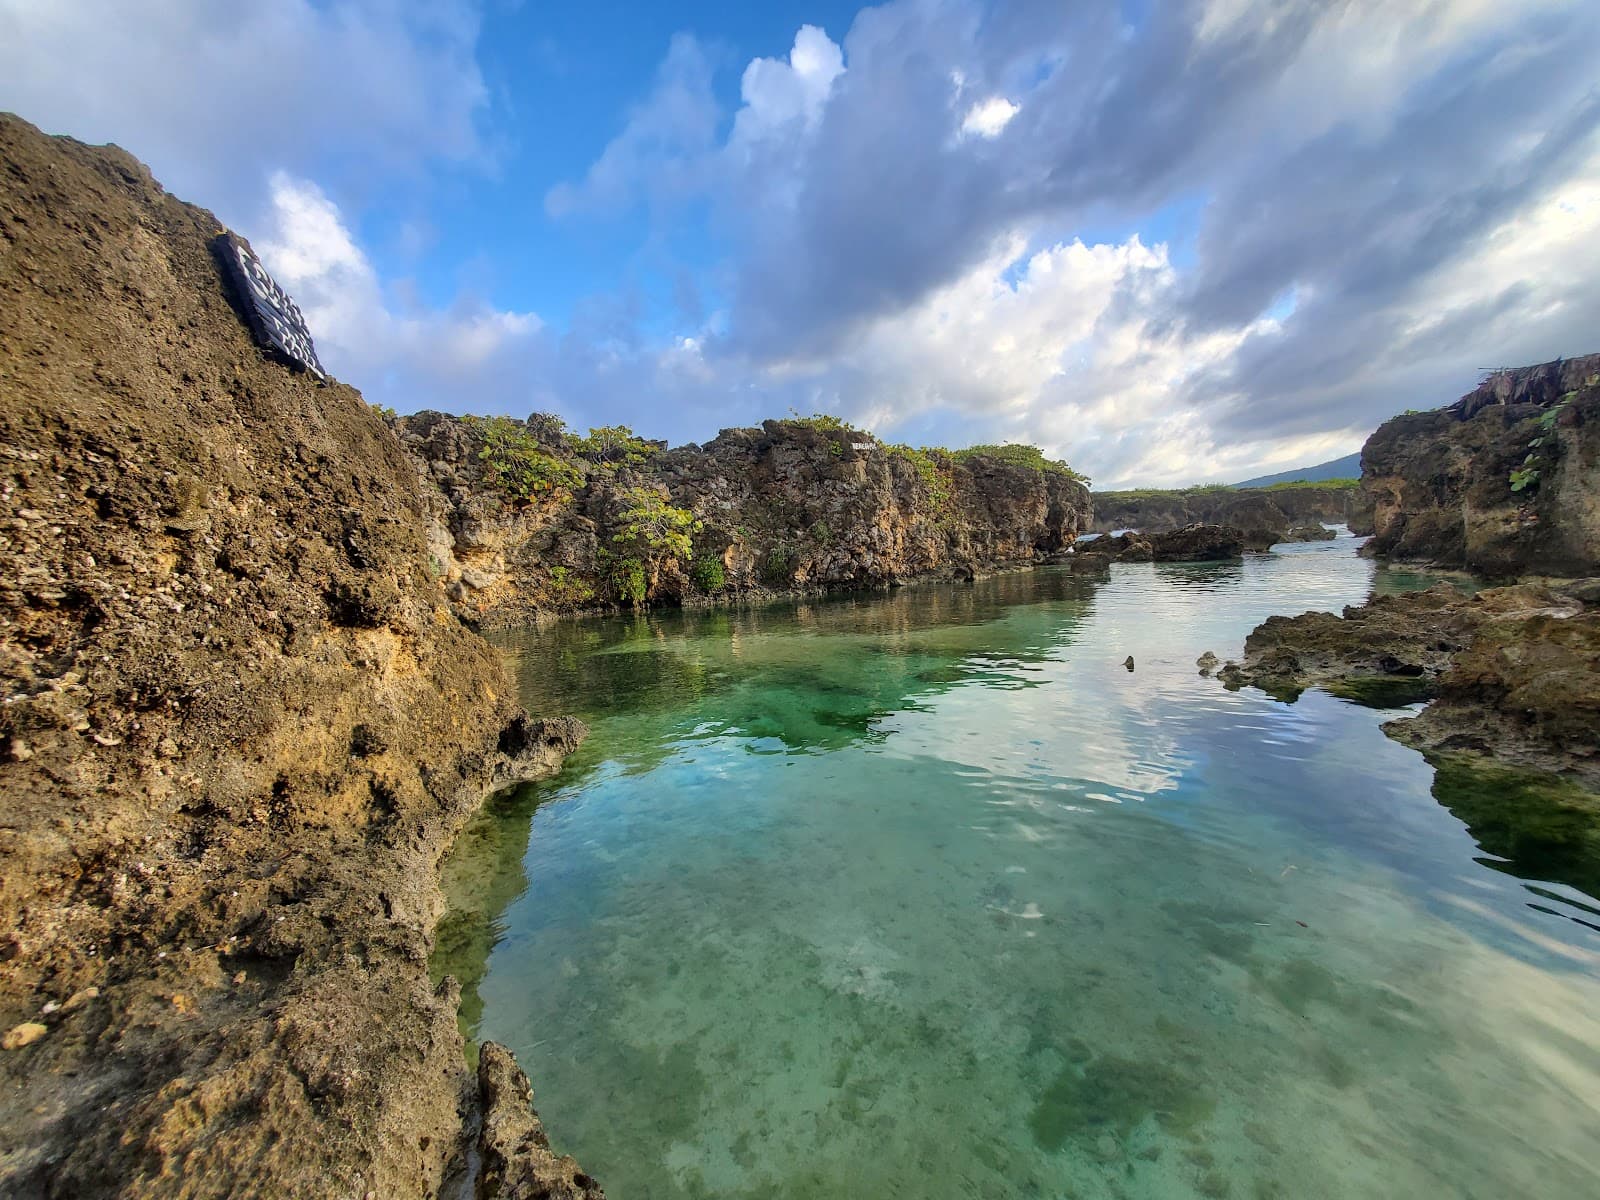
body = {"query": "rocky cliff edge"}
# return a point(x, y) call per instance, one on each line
point(240, 725)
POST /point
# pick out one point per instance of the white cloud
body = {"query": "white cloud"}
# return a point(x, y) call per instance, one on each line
point(988, 117)
point(458, 357)
point(214, 96)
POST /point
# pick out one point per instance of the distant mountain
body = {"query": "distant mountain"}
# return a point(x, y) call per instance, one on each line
point(1348, 467)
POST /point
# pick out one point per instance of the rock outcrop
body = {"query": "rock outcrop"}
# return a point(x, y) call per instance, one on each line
point(240, 727)
point(1195, 543)
point(1502, 483)
point(1512, 673)
point(1267, 510)
point(792, 506)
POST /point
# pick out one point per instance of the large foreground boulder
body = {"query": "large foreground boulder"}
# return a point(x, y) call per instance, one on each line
point(241, 727)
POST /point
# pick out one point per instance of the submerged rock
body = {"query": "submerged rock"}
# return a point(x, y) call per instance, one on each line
point(1207, 662)
point(1512, 672)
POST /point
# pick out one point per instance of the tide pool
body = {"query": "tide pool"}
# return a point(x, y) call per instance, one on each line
point(924, 894)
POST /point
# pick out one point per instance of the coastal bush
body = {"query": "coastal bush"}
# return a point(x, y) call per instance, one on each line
point(708, 574)
point(567, 588)
point(930, 467)
point(652, 528)
point(612, 446)
point(625, 577)
point(777, 569)
point(820, 422)
point(1020, 454)
point(516, 463)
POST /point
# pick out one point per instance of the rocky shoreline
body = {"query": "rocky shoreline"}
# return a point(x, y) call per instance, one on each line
point(240, 728)
point(1501, 484)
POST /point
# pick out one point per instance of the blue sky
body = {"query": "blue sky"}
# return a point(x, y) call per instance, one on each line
point(1188, 241)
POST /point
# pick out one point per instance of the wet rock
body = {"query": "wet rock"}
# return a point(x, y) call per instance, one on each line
point(1197, 543)
point(1128, 662)
point(1512, 672)
point(517, 1162)
point(1207, 662)
point(1309, 533)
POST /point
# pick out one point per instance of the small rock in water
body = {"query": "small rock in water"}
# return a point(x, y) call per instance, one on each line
point(1207, 662)
point(1105, 1146)
point(1128, 662)
point(22, 1035)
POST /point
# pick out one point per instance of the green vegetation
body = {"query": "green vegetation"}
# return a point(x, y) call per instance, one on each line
point(1300, 484)
point(612, 446)
point(1020, 454)
point(625, 577)
point(652, 528)
point(516, 462)
point(820, 422)
point(932, 466)
point(777, 570)
point(1528, 474)
point(567, 588)
point(1193, 489)
point(1201, 489)
point(708, 574)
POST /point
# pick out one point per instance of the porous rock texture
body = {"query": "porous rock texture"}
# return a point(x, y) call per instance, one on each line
point(1269, 511)
point(785, 508)
point(240, 726)
point(1512, 673)
point(1193, 543)
point(1441, 482)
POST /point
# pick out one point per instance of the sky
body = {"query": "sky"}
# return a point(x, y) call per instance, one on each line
point(1166, 241)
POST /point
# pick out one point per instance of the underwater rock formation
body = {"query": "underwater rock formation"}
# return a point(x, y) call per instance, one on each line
point(241, 727)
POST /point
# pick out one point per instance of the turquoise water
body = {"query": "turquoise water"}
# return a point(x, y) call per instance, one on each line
point(926, 895)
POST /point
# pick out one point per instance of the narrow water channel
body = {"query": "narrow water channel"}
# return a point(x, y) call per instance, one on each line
point(927, 895)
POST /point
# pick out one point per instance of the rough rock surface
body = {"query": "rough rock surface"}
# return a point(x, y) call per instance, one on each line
point(1195, 543)
point(1441, 481)
point(1270, 509)
point(783, 508)
point(240, 726)
point(517, 1162)
point(1310, 533)
point(1512, 672)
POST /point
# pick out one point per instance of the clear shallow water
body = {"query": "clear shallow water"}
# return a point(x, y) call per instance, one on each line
point(925, 895)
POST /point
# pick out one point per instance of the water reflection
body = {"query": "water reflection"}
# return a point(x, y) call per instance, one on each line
point(925, 894)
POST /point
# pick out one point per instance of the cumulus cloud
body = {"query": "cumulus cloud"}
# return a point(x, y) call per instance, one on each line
point(1383, 191)
point(430, 358)
point(214, 96)
point(1205, 238)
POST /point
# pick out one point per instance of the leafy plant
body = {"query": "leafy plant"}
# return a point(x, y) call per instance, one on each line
point(929, 467)
point(516, 462)
point(1527, 476)
point(652, 527)
point(1020, 454)
point(777, 569)
point(569, 588)
point(614, 446)
point(821, 422)
point(821, 533)
point(708, 574)
point(625, 576)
